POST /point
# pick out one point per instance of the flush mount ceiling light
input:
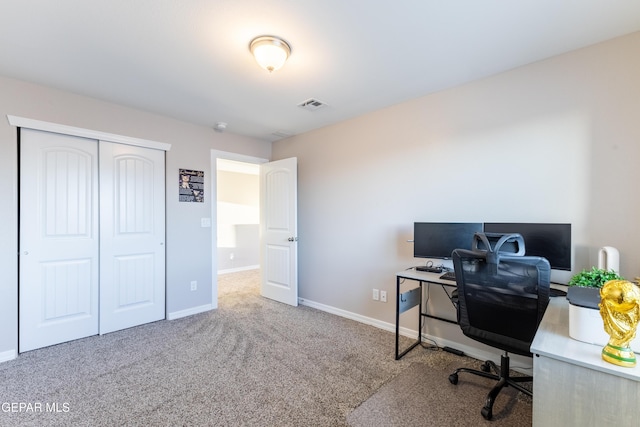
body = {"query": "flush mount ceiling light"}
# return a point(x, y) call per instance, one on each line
point(270, 52)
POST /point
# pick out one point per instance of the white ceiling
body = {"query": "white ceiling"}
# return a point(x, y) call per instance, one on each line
point(189, 59)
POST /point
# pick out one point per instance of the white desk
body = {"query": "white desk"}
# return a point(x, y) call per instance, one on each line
point(412, 298)
point(572, 385)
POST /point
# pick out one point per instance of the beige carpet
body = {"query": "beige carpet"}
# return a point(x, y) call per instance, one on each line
point(423, 396)
point(251, 362)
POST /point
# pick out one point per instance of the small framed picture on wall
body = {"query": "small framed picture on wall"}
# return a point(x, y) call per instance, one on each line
point(191, 186)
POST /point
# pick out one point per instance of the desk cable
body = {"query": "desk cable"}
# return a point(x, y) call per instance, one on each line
point(434, 345)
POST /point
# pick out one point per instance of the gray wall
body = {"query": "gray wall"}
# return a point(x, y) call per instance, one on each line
point(189, 247)
point(245, 255)
point(554, 141)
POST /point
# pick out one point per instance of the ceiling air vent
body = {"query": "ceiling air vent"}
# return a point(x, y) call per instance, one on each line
point(312, 104)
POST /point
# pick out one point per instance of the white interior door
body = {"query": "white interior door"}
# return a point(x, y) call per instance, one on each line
point(58, 269)
point(132, 230)
point(279, 230)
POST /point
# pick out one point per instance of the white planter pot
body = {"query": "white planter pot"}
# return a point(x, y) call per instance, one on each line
point(586, 325)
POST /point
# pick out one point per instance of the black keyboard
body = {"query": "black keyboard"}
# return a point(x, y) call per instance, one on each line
point(449, 275)
point(429, 269)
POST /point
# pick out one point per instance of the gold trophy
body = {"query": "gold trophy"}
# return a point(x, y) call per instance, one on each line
point(620, 311)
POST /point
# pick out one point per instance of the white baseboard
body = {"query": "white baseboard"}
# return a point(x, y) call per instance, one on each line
point(235, 270)
point(349, 315)
point(189, 312)
point(476, 353)
point(5, 356)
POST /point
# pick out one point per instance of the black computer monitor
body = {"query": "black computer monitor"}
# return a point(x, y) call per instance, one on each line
point(439, 239)
point(548, 240)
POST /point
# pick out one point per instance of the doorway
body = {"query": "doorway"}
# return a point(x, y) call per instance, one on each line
point(278, 226)
point(226, 258)
point(238, 214)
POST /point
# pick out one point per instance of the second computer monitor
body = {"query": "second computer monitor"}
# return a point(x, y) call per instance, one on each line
point(548, 240)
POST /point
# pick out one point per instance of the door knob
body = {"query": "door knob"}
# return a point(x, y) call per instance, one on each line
point(292, 239)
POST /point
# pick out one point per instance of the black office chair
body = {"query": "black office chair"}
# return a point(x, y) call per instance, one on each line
point(501, 300)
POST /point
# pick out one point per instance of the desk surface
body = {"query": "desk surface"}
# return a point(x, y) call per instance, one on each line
point(425, 276)
point(552, 340)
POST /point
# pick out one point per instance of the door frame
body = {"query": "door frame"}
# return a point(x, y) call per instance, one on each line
point(226, 155)
point(23, 122)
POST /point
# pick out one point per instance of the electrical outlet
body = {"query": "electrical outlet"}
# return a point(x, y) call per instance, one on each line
point(194, 285)
point(383, 296)
point(376, 295)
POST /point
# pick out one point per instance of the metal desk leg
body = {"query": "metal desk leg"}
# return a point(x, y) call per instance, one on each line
point(397, 316)
point(419, 340)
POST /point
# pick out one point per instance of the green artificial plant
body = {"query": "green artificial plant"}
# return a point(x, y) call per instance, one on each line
point(594, 278)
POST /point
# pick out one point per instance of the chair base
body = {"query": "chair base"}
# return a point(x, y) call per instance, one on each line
point(501, 375)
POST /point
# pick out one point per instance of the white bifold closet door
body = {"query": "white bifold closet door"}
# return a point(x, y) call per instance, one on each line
point(132, 255)
point(91, 237)
point(59, 239)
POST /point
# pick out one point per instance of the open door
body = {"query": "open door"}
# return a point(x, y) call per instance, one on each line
point(279, 230)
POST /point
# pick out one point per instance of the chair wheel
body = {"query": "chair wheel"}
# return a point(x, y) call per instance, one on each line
point(486, 367)
point(486, 413)
point(453, 379)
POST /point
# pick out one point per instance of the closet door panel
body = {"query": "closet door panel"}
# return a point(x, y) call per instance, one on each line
point(132, 225)
point(58, 264)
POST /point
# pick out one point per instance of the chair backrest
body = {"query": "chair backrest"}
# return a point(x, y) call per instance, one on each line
point(501, 299)
point(499, 243)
